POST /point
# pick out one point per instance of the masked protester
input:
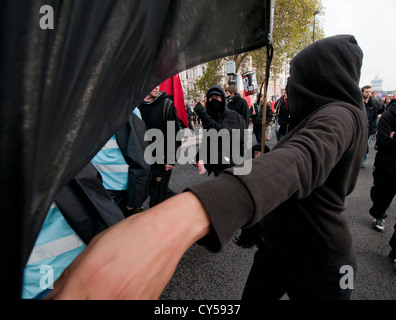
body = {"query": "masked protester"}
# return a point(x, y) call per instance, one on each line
point(218, 117)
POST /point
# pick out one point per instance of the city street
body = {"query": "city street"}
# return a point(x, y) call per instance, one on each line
point(205, 275)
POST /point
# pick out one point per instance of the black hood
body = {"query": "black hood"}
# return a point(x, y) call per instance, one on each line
point(328, 70)
point(218, 88)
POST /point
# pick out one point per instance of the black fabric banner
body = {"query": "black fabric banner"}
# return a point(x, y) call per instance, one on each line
point(72, 71)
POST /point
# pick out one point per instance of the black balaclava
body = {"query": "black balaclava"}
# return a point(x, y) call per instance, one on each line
point(216, 108)
point(328, 70)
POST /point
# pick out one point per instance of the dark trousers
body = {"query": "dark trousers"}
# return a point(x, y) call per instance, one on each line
point(272, 276)
point(382, 193)
point(258, 131)
point(119, 197)
point(159, 185)
point(392, 243)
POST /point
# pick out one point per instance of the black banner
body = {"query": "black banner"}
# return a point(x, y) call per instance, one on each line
point(72, 71)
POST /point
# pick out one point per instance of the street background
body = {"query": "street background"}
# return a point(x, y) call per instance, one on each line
point(202, 275)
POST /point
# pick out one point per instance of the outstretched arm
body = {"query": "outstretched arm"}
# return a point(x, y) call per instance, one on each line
point(136, 258)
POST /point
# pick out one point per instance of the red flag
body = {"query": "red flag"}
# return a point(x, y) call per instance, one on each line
point(173, 88)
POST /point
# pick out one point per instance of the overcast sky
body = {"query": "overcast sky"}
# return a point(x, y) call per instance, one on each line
point(373, 23)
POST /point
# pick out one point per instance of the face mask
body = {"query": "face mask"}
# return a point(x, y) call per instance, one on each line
point(214, 108)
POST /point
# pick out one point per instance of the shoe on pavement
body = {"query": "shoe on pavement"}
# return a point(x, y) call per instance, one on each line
point(379, 224)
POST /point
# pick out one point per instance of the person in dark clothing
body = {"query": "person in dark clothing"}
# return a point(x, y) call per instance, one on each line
point(311, 171)
point(121, 163)
point(218, 117)
point(256, 113)
point(131, 142)
point(158, 112)
point(268, 121)
point(377, 101)
point(372, 111)
point(80, 210)
point(282, 116)
point(194, 116)
point(237, 103)
point(189, 116)
point(384, 174)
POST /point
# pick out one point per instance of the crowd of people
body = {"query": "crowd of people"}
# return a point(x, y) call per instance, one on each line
point(323, 136)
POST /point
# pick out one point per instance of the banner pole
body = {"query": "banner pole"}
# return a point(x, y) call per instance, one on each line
point(267, 74)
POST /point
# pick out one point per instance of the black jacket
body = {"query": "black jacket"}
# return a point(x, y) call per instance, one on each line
point(282, 112)
point(258, 117)
point(86, 205)
point(240, 105)
point(385, 159)
point(130, 139)
point(228, 120)
point(372, 114)
point(157, 114)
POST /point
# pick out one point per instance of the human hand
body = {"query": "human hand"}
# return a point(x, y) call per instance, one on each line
point(168, 167)
point(199, 108)
point(136, 258)
point(392, 134)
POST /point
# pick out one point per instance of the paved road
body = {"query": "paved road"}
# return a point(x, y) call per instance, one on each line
point(207, 276)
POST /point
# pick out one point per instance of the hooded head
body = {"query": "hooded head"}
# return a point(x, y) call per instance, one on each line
point(214, 107)
point(326, 71)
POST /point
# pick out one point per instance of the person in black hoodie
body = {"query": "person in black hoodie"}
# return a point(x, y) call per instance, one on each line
point(307, 245)
point(218, 117)
point(384, 174)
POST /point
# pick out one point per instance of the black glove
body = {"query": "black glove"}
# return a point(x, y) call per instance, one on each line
point(199, 109)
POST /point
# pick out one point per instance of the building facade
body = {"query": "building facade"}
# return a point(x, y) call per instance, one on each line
point(191, 92)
